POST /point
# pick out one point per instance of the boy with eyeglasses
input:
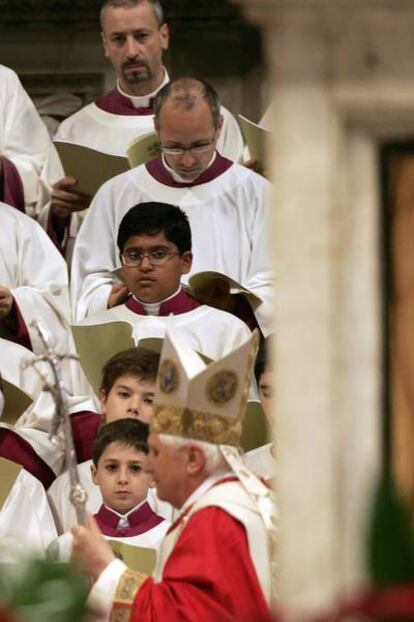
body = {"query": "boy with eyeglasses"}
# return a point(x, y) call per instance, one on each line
point(228, 206)
point(154, 242)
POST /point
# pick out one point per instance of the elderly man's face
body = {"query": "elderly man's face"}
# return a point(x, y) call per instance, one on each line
point(168, 468)
point(134, 43)
point(192, 134)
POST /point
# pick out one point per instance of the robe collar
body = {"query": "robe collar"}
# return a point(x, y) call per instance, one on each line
point(214, 480)
point(118, 102)
point(140, 519)
point(180, 303)
point(13, 193)
point(157, 169)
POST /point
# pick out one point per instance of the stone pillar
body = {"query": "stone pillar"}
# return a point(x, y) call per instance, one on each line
point(327, 349)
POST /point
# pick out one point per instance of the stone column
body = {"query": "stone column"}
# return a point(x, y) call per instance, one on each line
point(327, 326)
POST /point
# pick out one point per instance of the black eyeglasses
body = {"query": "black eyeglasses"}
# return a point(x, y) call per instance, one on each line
point(156, 256)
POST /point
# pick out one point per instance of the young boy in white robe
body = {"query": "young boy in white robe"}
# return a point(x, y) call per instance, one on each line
point(127, 391)
point(262, 460)
point(118, 470)
point(154, 243)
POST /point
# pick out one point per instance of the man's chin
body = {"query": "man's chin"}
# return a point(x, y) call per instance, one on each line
point(189, 176)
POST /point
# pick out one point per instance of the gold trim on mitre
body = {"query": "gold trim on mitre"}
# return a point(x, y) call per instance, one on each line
point(200, 401)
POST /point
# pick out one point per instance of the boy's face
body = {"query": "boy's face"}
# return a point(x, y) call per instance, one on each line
point(266, 393)
point(151, 282)
point(129, 397)
point(121, 477)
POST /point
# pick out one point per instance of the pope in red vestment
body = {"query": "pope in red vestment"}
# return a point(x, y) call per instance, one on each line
point(215, 563)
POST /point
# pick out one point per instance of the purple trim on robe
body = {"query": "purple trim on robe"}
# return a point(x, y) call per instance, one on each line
point(85, 426)
point(157, 170)
point(140, 521)
point(18, 450)
point(116, 103)
point(21, 334)
point(181, 303)
point(244, 312)
point(12, 185)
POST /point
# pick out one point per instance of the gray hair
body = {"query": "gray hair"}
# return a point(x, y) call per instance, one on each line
point(156, 7)
point(186, 93)
point(215, 461)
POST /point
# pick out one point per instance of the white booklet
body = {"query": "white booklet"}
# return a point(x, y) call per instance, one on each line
point(90, 167)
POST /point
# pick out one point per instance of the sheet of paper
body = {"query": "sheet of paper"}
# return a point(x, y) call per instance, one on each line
point(9, 472)
point(200, 281)
point(96, 343)
point(90, 167)
point(16, 401)
point(143, 148)
point(135, 557)
point(255, 431)
point(255, 137)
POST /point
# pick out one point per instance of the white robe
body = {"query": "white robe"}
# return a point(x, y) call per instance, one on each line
point(61, 548)
point(63, 511)
point(229, 219)
point(26, 522)
point(36, 274)
point(24, 140)
point(112, 133)
point(207, 330)
point(261, 461)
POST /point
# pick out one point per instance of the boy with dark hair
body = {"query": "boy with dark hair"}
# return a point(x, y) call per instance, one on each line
point(154, 243)
point(127, 391)
point(119, 455)
point(262, 460)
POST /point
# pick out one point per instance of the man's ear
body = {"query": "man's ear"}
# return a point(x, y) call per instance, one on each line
point(104, 44)
point(196, 460)
point(220, 125)
point(93, 474)
point(165, 36)
point(186, 262)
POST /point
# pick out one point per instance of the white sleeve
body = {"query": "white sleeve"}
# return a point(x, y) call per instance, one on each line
point(25, 138)
point(95, 255)
point(230, 143)
point(260, 278)
point(103, 591)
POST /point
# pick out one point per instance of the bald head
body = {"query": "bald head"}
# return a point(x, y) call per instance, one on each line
point(188, 94)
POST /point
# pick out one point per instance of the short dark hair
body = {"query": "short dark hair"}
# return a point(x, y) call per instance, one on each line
point(139, 361)
point(185, 93)
point(129, 432)
point(156, 6)
point(263, 360)
point(153, 218)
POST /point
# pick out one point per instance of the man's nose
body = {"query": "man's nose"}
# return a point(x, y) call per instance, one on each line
point(132, 47)
point(188, 158)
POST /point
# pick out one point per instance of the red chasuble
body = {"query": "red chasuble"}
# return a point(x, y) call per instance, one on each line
point(209, 577)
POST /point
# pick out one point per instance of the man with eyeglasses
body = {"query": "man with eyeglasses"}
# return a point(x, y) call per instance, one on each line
point(134, 37)
point(227, 205)
point(154, 243)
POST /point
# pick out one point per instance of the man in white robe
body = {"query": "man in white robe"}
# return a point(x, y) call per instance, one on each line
point(34, 286)
point(227, 205)
point(24, 146)
point(134, 37)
